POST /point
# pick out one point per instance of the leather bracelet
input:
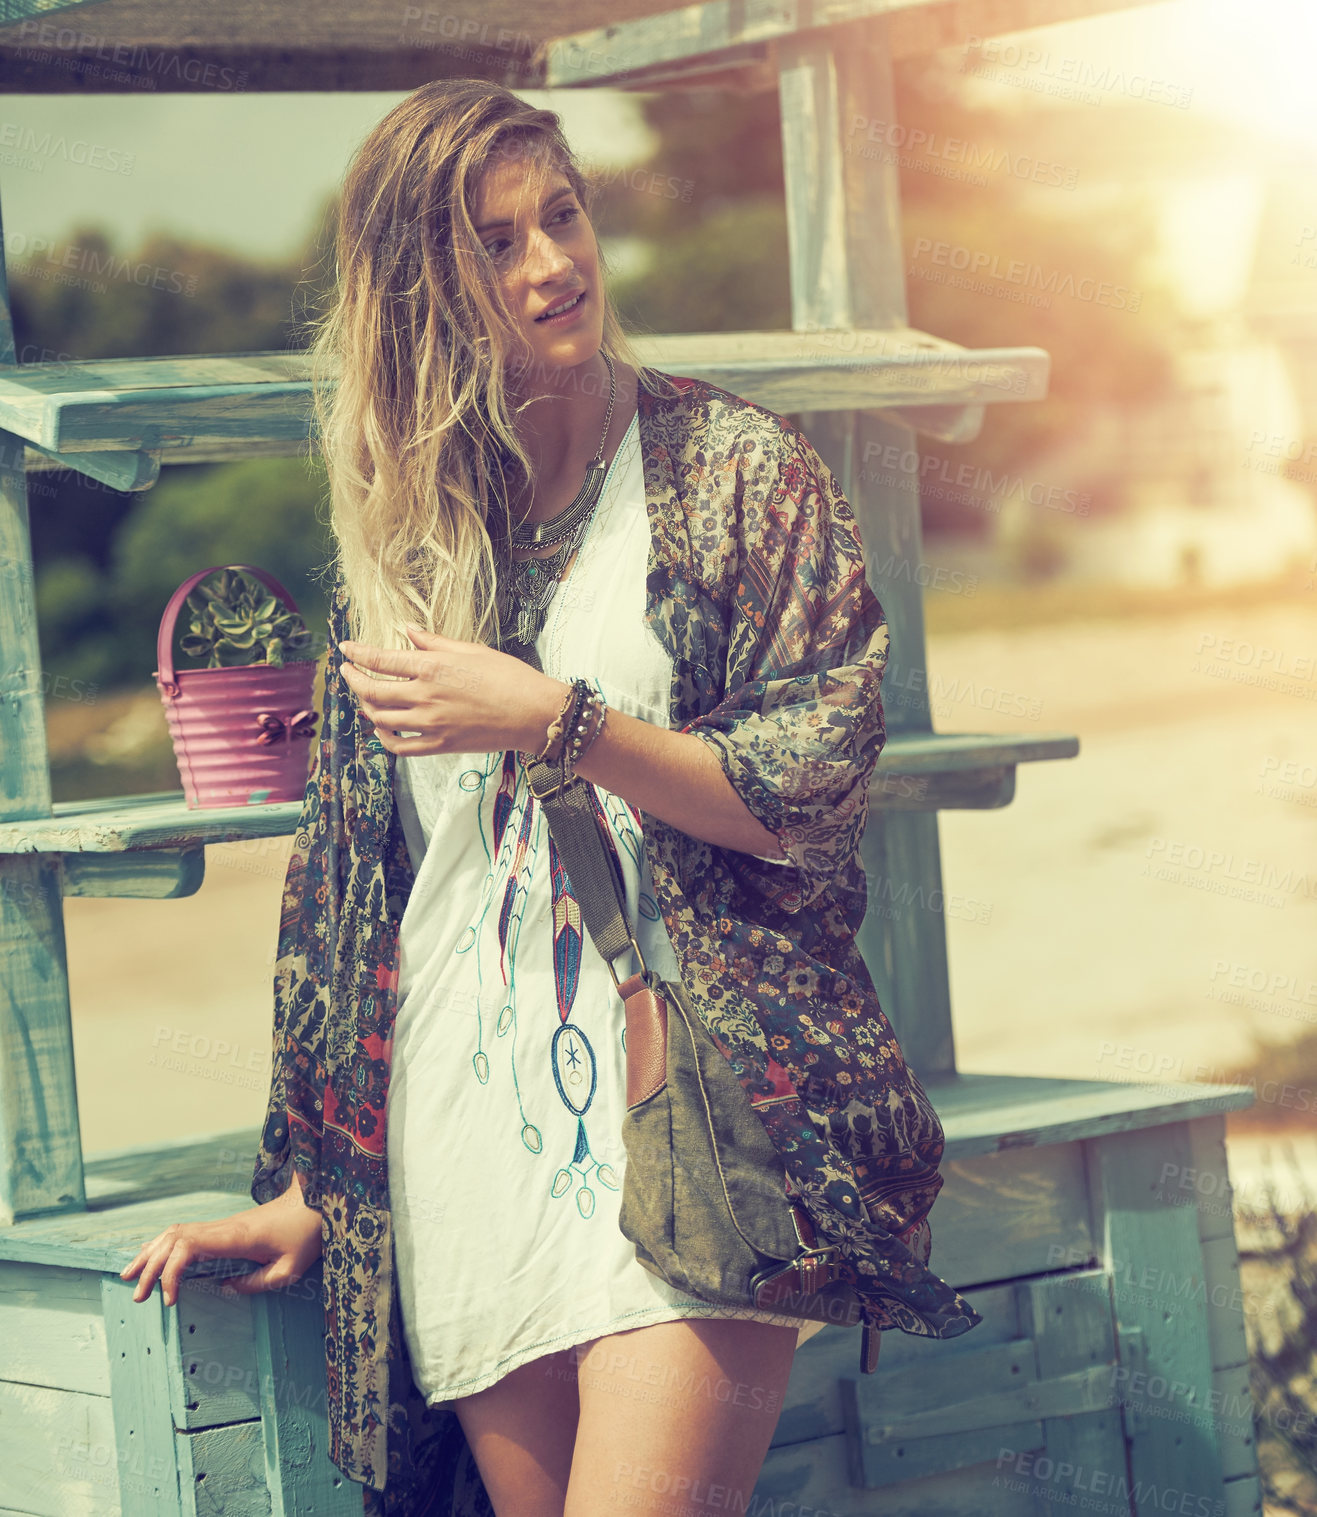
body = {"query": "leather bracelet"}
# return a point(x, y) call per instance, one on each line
point(556, 728)
point(580, 697)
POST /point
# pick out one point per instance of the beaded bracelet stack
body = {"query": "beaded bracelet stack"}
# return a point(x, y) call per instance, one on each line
point(571, 732)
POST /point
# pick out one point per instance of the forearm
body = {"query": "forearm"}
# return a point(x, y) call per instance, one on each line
point(674, 776)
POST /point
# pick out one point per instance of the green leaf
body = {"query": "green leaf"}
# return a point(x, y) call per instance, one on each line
point(230, 655)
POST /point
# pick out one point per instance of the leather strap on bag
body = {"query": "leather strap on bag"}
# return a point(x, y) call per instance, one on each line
point(600, 892)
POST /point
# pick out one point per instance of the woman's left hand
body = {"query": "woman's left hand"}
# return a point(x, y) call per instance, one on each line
point(459, 697)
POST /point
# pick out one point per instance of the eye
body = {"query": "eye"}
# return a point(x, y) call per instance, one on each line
point(570, 211)
point(493, 248)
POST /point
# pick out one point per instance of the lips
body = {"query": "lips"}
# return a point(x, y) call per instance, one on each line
point(561, 307)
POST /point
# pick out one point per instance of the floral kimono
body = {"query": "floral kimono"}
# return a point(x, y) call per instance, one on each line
point(756, 587)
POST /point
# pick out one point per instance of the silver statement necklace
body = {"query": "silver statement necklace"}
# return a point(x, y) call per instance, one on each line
point(526, 586)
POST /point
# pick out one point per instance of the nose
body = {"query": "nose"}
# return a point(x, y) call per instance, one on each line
point(546, 260)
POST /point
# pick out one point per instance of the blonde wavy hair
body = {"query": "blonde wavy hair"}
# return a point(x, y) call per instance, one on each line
point(413, 416)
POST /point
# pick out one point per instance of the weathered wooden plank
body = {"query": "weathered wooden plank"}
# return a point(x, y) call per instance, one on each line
point(988, 1113)
point(1207, 1185)
point(812, 1477)
point(52, 1328)
point(677, 47)
point(1155, 1259)
point(916, 1459)
point(222, 1470)
point(1243, 1497)
point(920, 753)
point(961, 790)
point(290, 1357)
point(23, 10)
point(40, 1142)
point(119, 470)
point(1225, 1303)
point(59, 1453)
point(947, 1416)
point(812, 1407)
point(1006, 1215)
point(219, 404)
point(1070, 1318)
point(157, 875)
point(211, 1357)
point(143, 1425)
point(160, 819)
point(1231, 1408)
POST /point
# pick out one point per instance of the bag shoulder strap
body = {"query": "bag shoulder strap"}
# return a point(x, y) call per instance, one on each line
point(589, 861)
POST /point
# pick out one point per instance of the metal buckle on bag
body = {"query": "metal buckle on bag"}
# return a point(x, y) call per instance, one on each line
point(810, 1264)
point(646, 974)
point(811, 1269)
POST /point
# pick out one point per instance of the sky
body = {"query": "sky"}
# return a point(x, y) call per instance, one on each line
point(247, 172)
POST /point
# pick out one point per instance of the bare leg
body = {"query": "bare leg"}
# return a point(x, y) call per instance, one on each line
point(521, 1431)
point(677, 1417)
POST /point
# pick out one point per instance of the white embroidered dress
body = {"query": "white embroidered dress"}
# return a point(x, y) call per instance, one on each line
point(508, 1085)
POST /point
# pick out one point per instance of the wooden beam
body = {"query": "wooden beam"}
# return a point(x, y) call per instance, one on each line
point(117, 419)
point(40, 1138)
point(673, 48)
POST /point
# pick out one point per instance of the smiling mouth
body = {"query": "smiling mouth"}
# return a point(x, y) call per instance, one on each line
point(562, 310)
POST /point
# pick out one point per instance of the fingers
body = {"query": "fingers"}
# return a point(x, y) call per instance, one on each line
point(168, 1254)
point(364, 662)
point(163, 1258)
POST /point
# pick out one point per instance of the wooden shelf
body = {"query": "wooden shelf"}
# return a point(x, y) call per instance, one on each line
point(985, 1114)
point(135, 1192)
point(160, 819)
point(138, 844)
point(118, 419)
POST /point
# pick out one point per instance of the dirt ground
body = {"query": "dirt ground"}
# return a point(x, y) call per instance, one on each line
point(1151, 903)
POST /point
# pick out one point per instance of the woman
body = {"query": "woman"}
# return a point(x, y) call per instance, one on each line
point(533, 528)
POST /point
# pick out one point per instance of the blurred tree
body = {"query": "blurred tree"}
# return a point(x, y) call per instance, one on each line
point(710, 199)
point(725, 273)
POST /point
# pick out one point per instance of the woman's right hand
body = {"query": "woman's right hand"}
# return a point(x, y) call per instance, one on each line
point(282, 1235)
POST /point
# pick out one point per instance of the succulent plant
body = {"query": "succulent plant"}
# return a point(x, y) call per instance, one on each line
point(238, 621)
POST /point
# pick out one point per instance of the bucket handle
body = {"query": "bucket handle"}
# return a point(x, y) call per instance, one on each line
point(165, 641)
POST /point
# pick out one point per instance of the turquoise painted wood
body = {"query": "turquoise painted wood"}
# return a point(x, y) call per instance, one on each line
point(218, 405)
point(24, 10)
point(155, 874)
point(740, 45)
point(145, 1459)
point(301, 1481)
point(40, 1141)
point(119, 470)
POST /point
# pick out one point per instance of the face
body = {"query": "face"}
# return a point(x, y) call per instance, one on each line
point(542, 256)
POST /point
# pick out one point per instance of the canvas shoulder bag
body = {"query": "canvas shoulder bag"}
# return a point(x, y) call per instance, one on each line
point(704, 1191)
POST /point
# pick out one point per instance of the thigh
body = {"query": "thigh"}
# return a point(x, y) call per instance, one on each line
point(522, 1430)
point(677, 1417)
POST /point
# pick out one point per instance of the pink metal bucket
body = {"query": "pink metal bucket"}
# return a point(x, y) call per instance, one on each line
point(242, 736)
